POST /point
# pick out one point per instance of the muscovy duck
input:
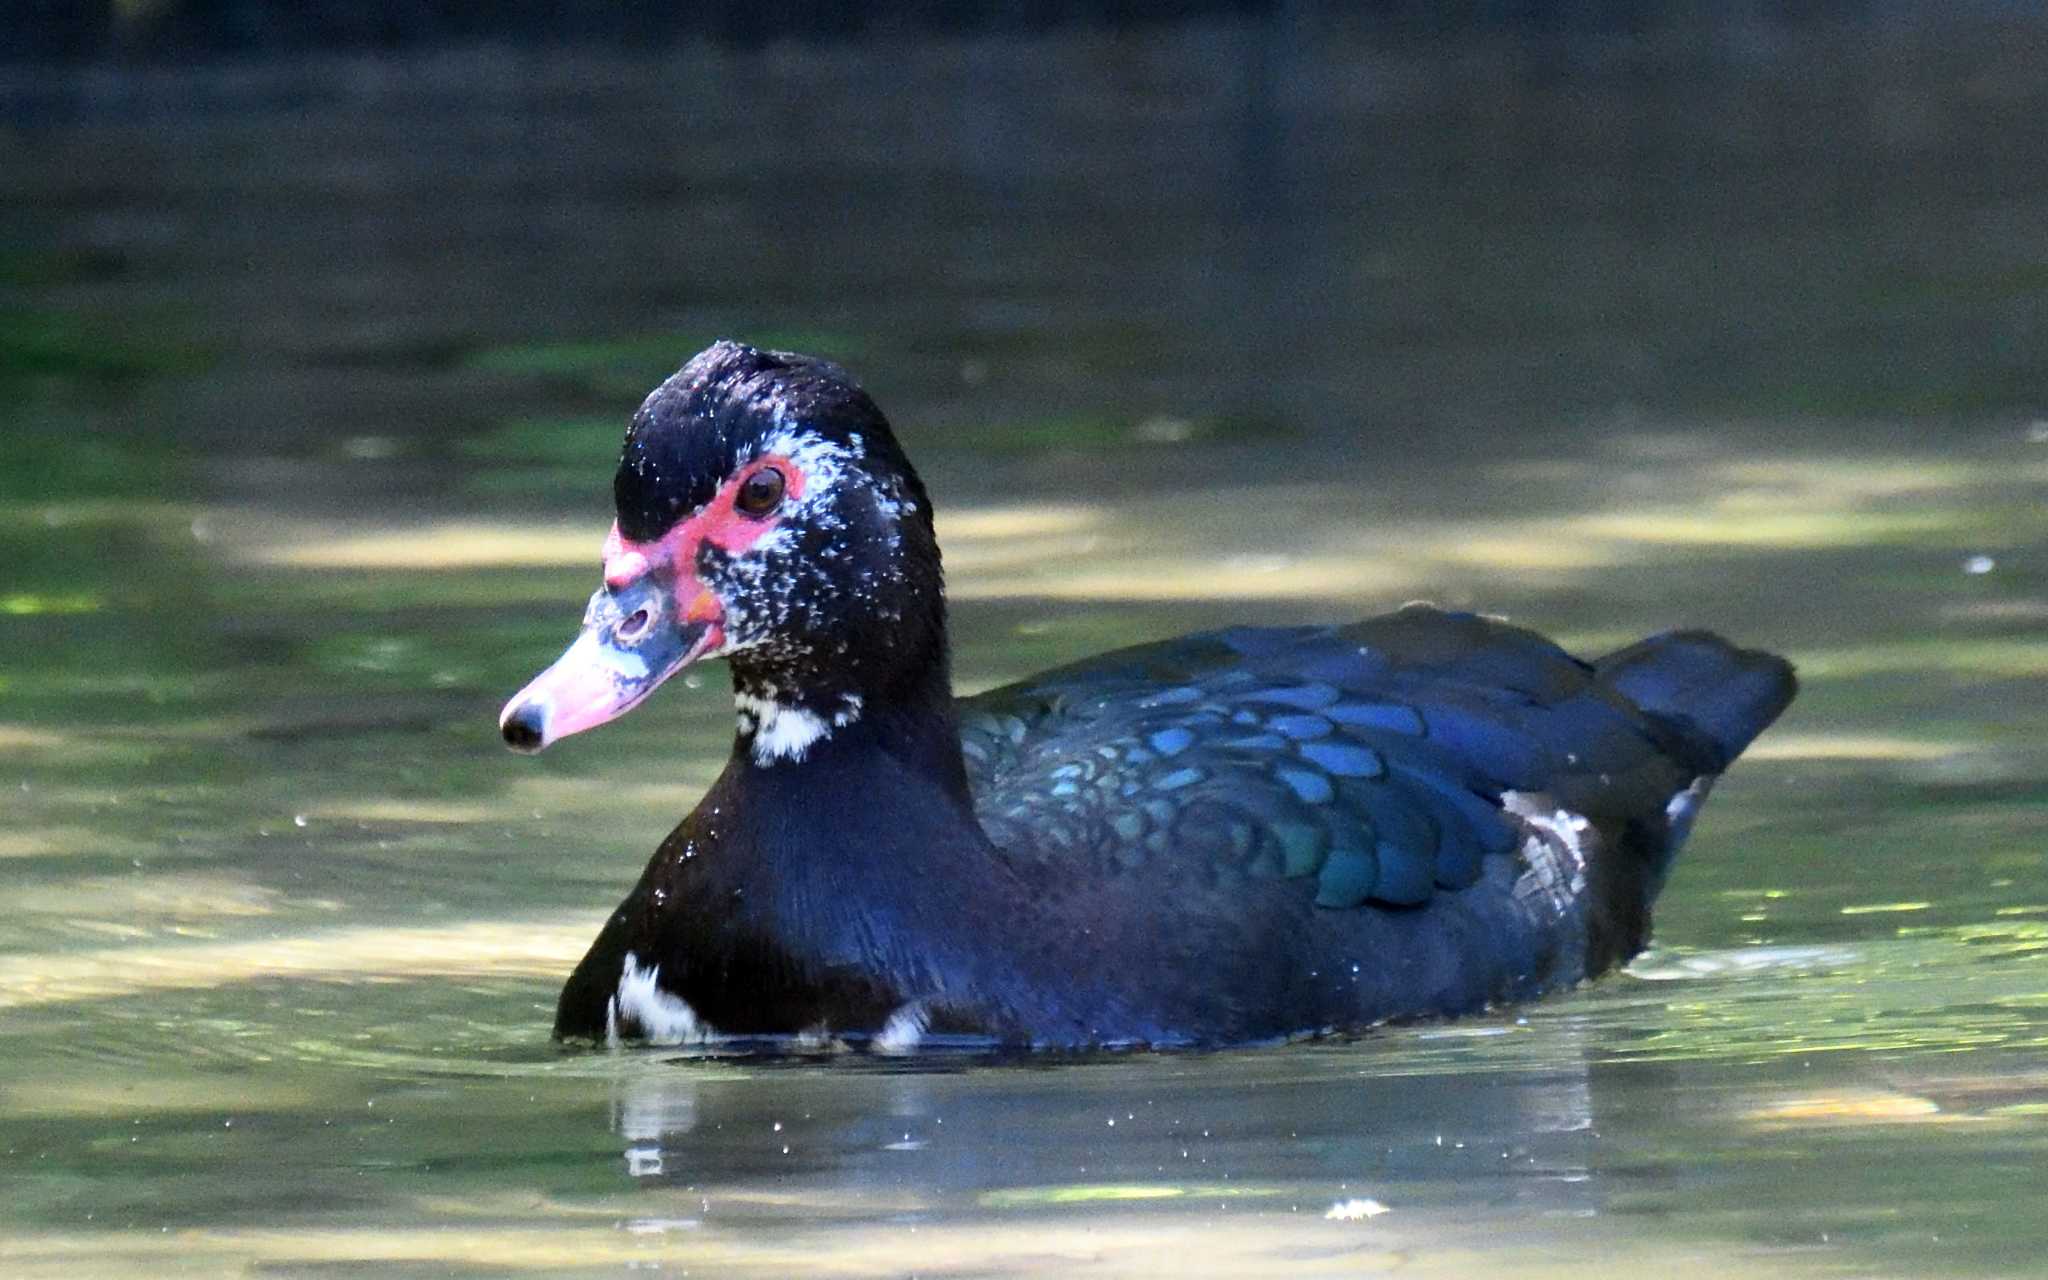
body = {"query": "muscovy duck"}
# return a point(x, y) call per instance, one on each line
point(1240, 835)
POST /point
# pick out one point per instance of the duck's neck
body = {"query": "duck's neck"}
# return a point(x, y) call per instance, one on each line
point(849, 852)
point(798, 716)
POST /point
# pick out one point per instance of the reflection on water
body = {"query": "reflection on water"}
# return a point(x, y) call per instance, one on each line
point(310, 373)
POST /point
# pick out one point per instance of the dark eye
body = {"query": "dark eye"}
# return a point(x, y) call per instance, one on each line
point(761, 492)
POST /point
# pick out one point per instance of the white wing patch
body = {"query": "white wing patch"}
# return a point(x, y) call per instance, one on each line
point(1684, 806)
point(1553, 853)
point(663, 1018)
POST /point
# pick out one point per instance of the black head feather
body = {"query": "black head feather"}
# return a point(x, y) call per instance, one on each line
point(712, 415)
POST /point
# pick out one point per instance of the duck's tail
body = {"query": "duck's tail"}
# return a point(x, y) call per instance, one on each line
point(1724, 695)
point(1714, 699)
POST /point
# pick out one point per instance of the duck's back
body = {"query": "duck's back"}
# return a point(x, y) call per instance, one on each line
point(1418, 769)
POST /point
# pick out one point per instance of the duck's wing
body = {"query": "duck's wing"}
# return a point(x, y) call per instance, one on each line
point(1378, 762)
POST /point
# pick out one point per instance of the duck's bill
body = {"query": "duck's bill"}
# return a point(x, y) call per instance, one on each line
point(601, 677)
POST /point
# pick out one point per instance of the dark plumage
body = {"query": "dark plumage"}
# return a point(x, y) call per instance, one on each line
point(1231, 836)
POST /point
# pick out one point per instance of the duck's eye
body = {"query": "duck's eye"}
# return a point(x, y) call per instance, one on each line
point(761, 493)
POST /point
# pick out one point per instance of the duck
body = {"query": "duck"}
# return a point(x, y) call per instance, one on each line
point(1240, 836)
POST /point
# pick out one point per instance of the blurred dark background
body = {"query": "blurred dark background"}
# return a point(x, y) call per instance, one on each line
point(1473, 230)
point(158, 28)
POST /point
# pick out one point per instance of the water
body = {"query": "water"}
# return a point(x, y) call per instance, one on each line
point(312, 373)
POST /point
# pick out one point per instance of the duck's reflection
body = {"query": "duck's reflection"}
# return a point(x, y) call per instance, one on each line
point(1417, 1119)
point(652, 1110)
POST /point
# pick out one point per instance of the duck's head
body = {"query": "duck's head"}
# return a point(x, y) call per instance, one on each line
point(766, 515)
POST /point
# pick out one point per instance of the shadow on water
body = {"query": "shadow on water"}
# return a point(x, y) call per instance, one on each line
point(311, 370)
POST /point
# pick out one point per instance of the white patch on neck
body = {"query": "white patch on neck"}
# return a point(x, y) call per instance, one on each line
point(783, 732)
point(1553, 853)
point(663, 1018)
point(904, 1029)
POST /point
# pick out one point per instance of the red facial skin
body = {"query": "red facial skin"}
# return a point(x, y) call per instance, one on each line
point(599, 678)
point(720, 523)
